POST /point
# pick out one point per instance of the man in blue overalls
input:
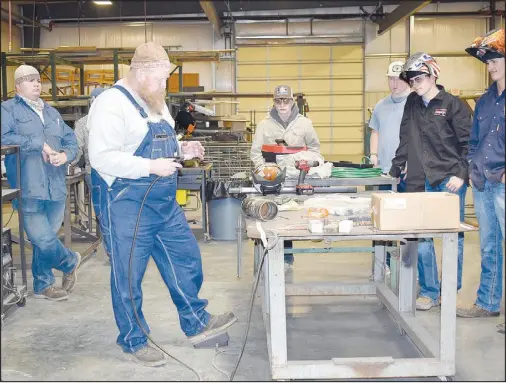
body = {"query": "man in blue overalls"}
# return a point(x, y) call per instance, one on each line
point(132, 150)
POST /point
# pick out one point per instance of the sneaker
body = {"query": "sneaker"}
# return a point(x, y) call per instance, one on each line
point(148, 356)
point(500, 328)
point(476, 312)
point(52, 293)
point(70, 279)
point(217, 324)
point(425, 303)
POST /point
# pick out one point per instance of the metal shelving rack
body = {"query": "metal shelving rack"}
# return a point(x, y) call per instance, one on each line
point(17, 298)
point(77, 57)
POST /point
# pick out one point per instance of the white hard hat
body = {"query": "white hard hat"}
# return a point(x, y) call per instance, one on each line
point(395, 69)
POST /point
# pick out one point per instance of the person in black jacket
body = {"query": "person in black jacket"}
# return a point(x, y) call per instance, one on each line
point(434, 138)
point(185, 122)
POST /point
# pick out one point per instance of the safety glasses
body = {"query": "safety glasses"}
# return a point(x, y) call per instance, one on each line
point(280, 101)
point(418, 79)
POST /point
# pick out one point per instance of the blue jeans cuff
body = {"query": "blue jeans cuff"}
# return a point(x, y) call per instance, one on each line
point(199, 328)
point(487, 308)
point(133, 349)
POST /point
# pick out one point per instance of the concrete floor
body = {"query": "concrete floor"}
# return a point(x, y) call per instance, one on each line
point(75, 339)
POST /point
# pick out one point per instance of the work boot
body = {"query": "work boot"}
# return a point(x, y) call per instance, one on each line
point(217, 324)
point(425, 303)
point(148, 356)
point(52, 293)
point(476, 312)
point(500, 328)
point(70, 279)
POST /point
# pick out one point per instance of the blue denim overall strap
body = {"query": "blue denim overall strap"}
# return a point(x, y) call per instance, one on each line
point(160, 141)
point(163, 233)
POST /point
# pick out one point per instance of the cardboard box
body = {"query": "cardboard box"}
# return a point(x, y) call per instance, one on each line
point(415, 211)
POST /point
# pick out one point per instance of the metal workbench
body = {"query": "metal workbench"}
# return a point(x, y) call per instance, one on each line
point(195, 179)
point(68, 228)
point(345, 183)
point(374, 182)
point(12, 300)
point(438, 358)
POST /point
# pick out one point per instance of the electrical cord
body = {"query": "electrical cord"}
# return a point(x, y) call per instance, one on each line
point(10, 217)
point(252, 301)
point(137, 319)
point(355, 173)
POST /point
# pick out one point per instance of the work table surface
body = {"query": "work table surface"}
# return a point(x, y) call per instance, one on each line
point(293, 225)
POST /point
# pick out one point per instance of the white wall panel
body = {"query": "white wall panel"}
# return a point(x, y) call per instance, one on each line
point(464, 73)
point(446, 34)
point(393, 41)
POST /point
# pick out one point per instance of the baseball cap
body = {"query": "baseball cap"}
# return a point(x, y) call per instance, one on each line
point(283, 91)
point(395, 69)
point(150, 55)
point(25, 73)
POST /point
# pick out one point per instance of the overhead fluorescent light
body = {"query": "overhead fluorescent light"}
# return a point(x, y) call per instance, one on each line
point(103, 2)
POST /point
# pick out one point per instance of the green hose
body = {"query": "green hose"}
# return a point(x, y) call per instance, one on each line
point(355, 173)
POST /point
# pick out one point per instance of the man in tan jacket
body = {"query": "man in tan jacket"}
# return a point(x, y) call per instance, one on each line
point(284, 122)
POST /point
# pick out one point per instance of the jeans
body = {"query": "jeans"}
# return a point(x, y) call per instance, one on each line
point(163, 234)
point(489, 208)
point(427, 266)
point(42, 220)
point(289, 259)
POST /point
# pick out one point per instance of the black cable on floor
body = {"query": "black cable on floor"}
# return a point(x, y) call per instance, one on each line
point(252, 301)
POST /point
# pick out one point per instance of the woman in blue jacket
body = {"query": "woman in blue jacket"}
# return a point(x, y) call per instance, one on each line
point(46, 145)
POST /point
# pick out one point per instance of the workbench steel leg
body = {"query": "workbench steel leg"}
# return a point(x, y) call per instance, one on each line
point(407, 276)
point(67, 230)
point(204, 203)
point(258, 251)
point(239, 245)
point(378, 271)
point(394, 270)
point(276, 293)
point(265, 300)
point(449, 300)
point(87, 196)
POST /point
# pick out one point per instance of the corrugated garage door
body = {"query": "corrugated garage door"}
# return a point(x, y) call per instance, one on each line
point(331, 77)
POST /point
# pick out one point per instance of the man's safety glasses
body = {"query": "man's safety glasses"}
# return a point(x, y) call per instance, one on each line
point(418, 79)
point(279, 101)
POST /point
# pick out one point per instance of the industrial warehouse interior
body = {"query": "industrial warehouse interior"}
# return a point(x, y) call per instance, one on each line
point(220, 190)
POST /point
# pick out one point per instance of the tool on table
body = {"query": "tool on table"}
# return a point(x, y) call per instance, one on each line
point(303, 166)
point(273, 183)
point(271, 151)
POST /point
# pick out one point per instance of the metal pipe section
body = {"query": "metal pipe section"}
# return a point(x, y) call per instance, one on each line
point(259, 208)
point(10, 27)
point(291, 190)
point(202, 18)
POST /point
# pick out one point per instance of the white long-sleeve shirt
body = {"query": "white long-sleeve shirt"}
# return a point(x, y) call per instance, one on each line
point(116, 131)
